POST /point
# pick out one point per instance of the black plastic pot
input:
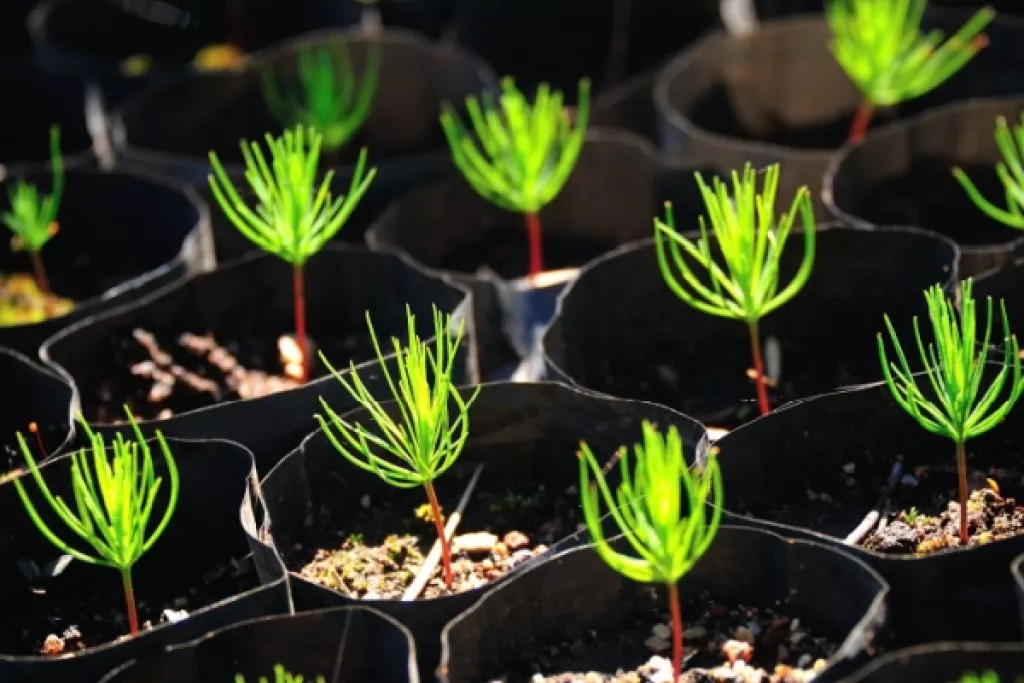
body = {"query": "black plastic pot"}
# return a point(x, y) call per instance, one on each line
point(902, 175)
point(779, 95)
point(91, 39)
point(620, 330)
point(525, 436)
point(206, 546)
point(44, 99)
point(14, 40)
point(944, 662)
point(618, 186)
point(344, 645)
point(576, 593)
point(172, 127)
point(778, 467)
point(249, 300)
point(1018, 576)
point(122, 236)
point(617, 39)
point(33, 394)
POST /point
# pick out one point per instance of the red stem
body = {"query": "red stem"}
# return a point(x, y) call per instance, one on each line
point(300, 321)
point(42, 282)
point(677, 631)
point(129, 601)
point(34, 428)
point(861, 121)
point(755, 351)
point(446, 551)
point(961, 470)
point(533, 234)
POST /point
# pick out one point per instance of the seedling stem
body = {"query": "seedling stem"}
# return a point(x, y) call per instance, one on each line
point(755, 351)
point(446, 550)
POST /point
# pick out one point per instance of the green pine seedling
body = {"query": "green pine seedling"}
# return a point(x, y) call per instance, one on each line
point(281, 675)
point(33, 216)
point(420, 446)
point(954, 366)
point(660, 507)
point(114, 501)
point(328, 98)
point(750, 241)
point(1011, 174)
point(294, 218)
point(880, 45)
point(526, 152)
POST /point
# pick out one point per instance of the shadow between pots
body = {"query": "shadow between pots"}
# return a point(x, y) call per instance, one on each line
point(574, 613)
point(173, 127)
point(222, 332)
point(620, 330)
point(220, 576)
point(43, 99)
point(903, 175)
point(618, 185)
point(35, 395)
point(344, 645)
point(122, 236)
point(944, 661)
point(817, 468)
point(1018, 576)
point(779, 95)
point(330, 517)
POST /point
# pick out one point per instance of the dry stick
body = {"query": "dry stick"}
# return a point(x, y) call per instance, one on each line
point(430, 564)
point(871, 519)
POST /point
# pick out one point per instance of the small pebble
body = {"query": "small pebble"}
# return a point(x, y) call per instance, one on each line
point(515, 540)
point(850, 467)
point(656, 644)
point(805, 661)
point(743, 633)
point(476, 542)
point(662, 631)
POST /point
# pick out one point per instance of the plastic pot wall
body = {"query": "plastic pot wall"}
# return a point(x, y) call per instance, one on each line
point(944, 661)
point(774, 462)
point(620, 330)
point(903, 175)
point(121, 237)
point(251, 298)
point(218, 494)
point(574, 593)
point(525, 436)
point(172, 127)
point(618, 186)
point(779, 96)
point(344, 645)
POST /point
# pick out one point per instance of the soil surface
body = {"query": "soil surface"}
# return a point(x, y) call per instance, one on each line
point(722, 642)
point(382, 549)
point(98, 616)
point(23, 303)
point(159, 375)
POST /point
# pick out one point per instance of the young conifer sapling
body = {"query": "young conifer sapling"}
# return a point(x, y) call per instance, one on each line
point(526, 152)
point(1011, 174)
point(418, 445)
point(328, 98)
point(115, 499)
point(744, 274)
point(294, 217)
point(955, 366)
point(33, 216)
point(880, 45)
point(661, 508)
point(281, 675)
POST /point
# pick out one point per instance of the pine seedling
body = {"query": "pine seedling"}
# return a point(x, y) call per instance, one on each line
point(526, 151)
point(293, 218)
point(419, 446)
point(982, 677)
point(281, 675)
point(750, 243)
point(955, 365)
point(328, 98)
point(1011, 173)
point(114, 501)
point(661, 509)
point(880, 45)
point(33, 216)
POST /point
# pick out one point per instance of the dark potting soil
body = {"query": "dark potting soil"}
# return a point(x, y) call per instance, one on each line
point(379, 551)
point(159, 374)
point(97, 616)
point(507, 253)
point(921, 515)
point(928, 195)
point(721, 642)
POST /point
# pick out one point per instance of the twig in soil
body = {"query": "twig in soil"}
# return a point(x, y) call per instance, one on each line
point(872, 518)
point(434, 556)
